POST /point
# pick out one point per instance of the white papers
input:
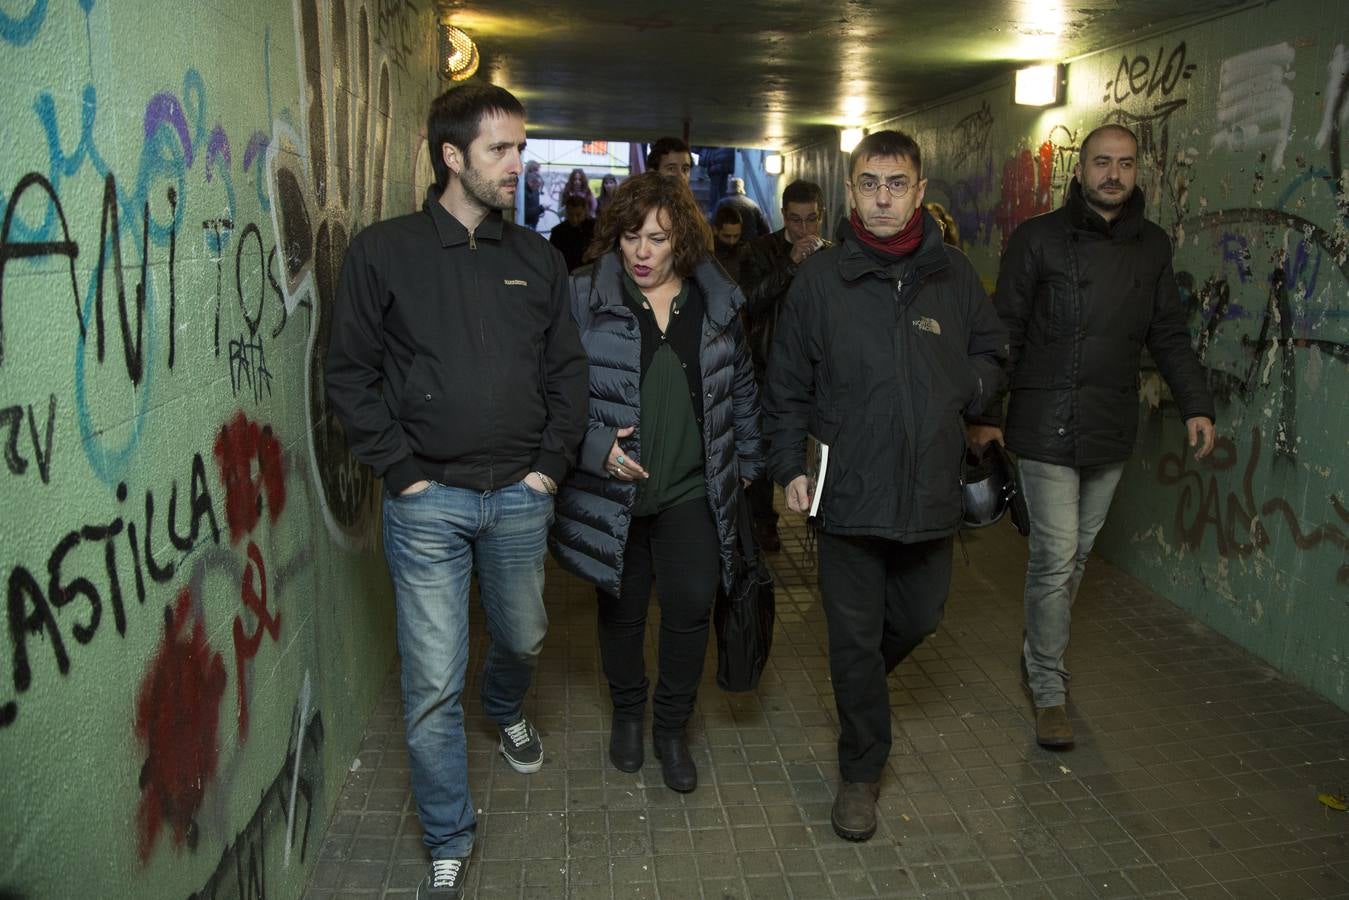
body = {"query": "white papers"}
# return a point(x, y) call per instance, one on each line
point(818, 464)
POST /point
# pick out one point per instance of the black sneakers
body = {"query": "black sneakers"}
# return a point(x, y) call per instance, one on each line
point(445, 880)
point(521, 746)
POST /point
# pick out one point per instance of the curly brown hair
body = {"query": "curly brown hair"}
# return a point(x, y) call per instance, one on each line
point(690, 235)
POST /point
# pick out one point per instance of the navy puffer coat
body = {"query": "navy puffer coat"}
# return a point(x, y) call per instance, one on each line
point(593, 510)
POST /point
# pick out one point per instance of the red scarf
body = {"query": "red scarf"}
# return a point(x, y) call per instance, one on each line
point(901, 244)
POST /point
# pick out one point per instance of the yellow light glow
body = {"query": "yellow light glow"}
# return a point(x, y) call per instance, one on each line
point(1037, 86)
point(772, 164)
point(459, 54)
point(854, 107)
point(849, 138)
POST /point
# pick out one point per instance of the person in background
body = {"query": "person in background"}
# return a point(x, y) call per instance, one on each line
point(673, 433)
point(755, 224)
point(885, 343)
point(578, 185)
point(533, 195)
point(726, 243)
point(950, 231)
point(767, 267)
point(608, 185)
point(574, 233)
point(670, 156)
point(459, 377)
point(1082, 290)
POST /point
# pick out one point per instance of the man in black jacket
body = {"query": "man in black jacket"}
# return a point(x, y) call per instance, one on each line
point(573, 234)
point(885, 342)
point(459, 376)
point(1082, 290)
point(767, 267)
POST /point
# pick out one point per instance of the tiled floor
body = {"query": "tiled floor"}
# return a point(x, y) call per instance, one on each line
point(1196, 770)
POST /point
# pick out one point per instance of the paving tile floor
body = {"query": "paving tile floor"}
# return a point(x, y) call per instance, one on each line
point(1195, 774)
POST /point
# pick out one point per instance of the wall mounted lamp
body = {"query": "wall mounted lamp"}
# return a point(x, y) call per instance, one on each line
point(1039, 85)
point(848, 138)
point(772, 163)
point(458, 53)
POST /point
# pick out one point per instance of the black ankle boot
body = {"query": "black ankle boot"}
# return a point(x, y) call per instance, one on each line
point(625, 744)
point(676, 765)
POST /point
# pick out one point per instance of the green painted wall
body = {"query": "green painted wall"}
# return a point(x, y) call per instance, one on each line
point(1243, 123)
point(194, 595)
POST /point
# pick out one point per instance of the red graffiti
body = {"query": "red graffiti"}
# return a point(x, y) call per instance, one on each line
point(241, 443)
point(246, 645)
point(1200, 506)
point(177, 712)
point(1027, 189)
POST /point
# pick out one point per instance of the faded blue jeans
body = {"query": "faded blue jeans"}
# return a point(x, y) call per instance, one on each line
point(1067, 509)
point(434, 541)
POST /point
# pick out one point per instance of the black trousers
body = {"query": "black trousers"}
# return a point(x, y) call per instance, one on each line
point(760, 493)
point(678, 552)
point(881, 599)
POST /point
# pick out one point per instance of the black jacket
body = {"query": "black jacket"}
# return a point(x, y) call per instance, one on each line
point(882, 361)
point(766, 272)
point(453, 356)
point(593, 510)
point(1081, 298)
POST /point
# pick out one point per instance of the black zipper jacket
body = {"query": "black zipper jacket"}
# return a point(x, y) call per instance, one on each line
point(882, 361)
point(1081, 298)
point(453, 356)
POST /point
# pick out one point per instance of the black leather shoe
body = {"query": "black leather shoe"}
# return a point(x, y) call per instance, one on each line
point(625, 744)
point(676, 765)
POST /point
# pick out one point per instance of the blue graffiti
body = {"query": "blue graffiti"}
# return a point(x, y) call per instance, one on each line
point(21, 31)
point(176, 135)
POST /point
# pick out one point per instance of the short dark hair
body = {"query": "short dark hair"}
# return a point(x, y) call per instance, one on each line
point(690, 237)
point(886, 143)
point(726, 215)
point(800, 191)
point(456, 116)
point(1102, 129)
point(663, 146)
point(574, 200)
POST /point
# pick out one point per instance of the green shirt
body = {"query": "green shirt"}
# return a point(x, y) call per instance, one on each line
point(672, 443)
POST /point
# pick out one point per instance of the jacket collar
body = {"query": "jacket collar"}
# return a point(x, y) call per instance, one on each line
point(721, 297)
point(1127, 225)
point(451, 230)
point(857, 261)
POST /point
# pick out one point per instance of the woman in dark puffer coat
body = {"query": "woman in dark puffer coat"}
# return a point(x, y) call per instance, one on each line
point(674, 423)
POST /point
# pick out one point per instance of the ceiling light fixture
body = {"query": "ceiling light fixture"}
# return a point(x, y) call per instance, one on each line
point(458, 54)
point(1039, 85)
point(772, 163)
point(848, 138)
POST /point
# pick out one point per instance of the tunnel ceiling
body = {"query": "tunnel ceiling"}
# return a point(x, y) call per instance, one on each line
point(782, 73)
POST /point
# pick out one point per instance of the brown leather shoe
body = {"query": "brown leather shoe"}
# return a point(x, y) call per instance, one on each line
point(854, 815)
point(1052, 728)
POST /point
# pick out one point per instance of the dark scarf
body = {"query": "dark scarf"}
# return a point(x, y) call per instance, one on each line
point(895, 247)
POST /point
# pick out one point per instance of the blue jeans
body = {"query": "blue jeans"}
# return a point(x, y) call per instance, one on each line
point(1067, 509)
point(434, 541)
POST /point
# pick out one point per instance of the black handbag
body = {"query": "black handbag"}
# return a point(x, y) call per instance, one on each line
point(743, 618)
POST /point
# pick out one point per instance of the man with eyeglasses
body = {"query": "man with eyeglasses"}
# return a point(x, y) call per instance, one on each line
point(767, 267)
point(885, 344)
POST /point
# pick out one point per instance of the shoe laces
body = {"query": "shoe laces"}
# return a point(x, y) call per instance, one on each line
point(444, 872)
point(518, 733)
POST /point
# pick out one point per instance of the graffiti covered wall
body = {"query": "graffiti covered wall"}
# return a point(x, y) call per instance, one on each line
point(1244, 127)
point(197, 619)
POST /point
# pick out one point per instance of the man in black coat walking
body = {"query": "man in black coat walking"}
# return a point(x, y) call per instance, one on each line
point(885, 342)
point(1082, 290)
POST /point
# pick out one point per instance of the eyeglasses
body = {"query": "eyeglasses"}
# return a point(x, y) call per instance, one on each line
point(868, 187)
point(798, 221)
